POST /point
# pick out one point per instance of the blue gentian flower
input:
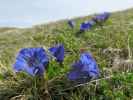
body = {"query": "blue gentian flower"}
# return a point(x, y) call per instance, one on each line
point(86, 67)
point(58, 52)
point(101, 17)
point(31, 60)
point(86, 25)
point(71, 23)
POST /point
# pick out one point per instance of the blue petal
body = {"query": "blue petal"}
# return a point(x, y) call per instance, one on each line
point(42, 56)
point(53, 50)
point(58, 52)
point(86, 58)
point(19, 65)
point(73, 75)
point(22, 66)
point(30, 70)
point(90, 64)
point(77, 65)
point(26, 52)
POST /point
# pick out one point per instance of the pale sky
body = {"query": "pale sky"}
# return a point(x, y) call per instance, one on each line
point(25, 13)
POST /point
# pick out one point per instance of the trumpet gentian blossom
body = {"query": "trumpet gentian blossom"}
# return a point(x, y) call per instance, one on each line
point(87, 25)
point(85, 68)
point(31, 60)
point(58, 52)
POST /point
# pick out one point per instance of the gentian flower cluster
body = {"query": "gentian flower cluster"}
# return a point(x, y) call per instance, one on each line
point(34, 61)
point(84, 68)
point(84, 26)
point(101, 17)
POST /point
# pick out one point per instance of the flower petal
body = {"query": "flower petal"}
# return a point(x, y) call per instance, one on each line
point(58, 52)
point(73, 75)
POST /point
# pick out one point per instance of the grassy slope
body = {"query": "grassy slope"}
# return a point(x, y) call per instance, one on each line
point(115, 34)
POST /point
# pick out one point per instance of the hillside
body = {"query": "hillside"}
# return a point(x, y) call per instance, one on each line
point(111, 46)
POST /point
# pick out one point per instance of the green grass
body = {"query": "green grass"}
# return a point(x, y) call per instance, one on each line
point(117, 33)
